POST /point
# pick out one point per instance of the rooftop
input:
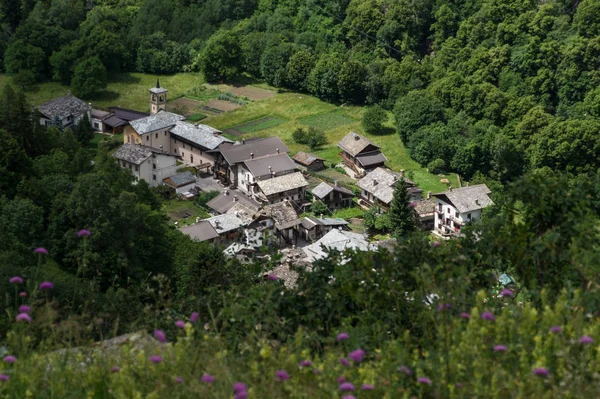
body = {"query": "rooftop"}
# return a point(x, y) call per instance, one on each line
point(202, 231)
point(282, 183)
point(323, 190)
point(467, 199)
point(266, 165)
point(127, 114)
point(381, 182)
point(99, 114)
point(242, 151)
point(62, 107)
point(136, 153)
point(245, 213)
point(424, 207)
point(305, 158)
point(353, 143)
point(337, 240)
point(161, 120)
point(181, 179)
point(225, 223)
point(371, 158)
point(226, 200)
point(202, 135)
point(282, 213)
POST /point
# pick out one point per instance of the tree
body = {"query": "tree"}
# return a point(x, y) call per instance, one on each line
point(222, 57)
point(319, 208)
point(323, 79)
point(63, 64)
point(84, 131)
point(350, 82)
point(417, 109)
point(402, 215)
point(273, 64)
point(373, 118)
point(312, 137)
point(21, 56)
point(89, 78)
point(10, 12)
point(298, 68)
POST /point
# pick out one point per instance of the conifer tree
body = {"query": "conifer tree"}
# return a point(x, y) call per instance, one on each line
point(402, 216)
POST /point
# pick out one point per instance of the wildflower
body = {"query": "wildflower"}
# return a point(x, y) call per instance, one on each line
point(405, 370)
point(341, 379)
point(194, 317)
point(458, 385)
point(357, 356)
point(281, 375)
point(507, 292)
point(411, 204)
point(22, 294)
point(346, 386)
point(465, 315)
point(41, 250)
point(24, 317)
point(586, 339)
point(436, 244)
point(160, 335)
point(443, 306)
point(424, 380)
point(500, 348)
point(272, 277)
point(83, 233)
point(305, 363)
point(343, 336)
point(155, 359)
point(555, 329)
point(345, 362)
point(10, 359)
point(46, 285)
point(179, 324)
point(207, 378)
point(179, 380)
point(239, 387)
point(24, 309)
point(488, 316)
point(16, 280)
point(541, 371)
point(4, 377)
point(115, 369)
point(241, 395)
point(367, 387)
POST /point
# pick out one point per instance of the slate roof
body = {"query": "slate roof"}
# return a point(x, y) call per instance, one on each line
point(424, 207)
point(242, 152)
point(182, 179)
point(332, 221)
point(278, 163)
point(225, 223)
point(63, 107)
point(222, 203)
point(381, 182)
point(353, 143)
point(467, 199)
point(202, 135)
point(323, 190)
point(282, 183)
point(99, 114)
point(202, 231)
point(245, 213)
point(128, 114)
point(305, 158)
point(136, 153)
point(161, 120)
point(370, 159)
point(282, 213)
point(114, 121)
point(338, 240)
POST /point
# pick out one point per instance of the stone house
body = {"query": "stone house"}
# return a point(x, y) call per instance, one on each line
point(377, 188)
point(457, 207)
point(147, 163)
point(360, 154)
point(309, 162)
point(64, 112)
point(334, 196)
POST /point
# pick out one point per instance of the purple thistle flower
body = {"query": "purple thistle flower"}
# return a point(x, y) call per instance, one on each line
point(22, 294)
point(115, 369)
point(4, 377)
point(41, 250)
point(555, 329)
point(507, 292)
point(436, 244)
point(586, 339)
point(46, 285)
point(179, 380)
point(541, 371)
point(343, 336)
point(465, 315)
point(241, 395)
point(16, 280)
point(160, 335)
point(194, 317)
point(180, 324)
point(10, 359)
point(443, 306)
point(488, 316)
point(346, 386)
point(367, 387)
point(207, 378)
point(24, 309)
point(305, 363)
point(155, 359)
point(272, 277)
point(239, 387)
point(424, 380)
point(500, 348)
point(340, 379)
point(405, 370)
point(281, 375)
point(24, 317)
point(357, 356)
point(345, 362)
point(83, 233)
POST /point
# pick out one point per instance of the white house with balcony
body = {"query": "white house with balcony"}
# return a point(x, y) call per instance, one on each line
point(147, 163)
point(459, 206)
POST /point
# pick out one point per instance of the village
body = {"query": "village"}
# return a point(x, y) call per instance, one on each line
point(263, 197)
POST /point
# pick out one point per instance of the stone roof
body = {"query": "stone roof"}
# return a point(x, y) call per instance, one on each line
point(202, 231)
point(126, 114)
point(181, 179)
point(282, 183)
point(245, 213)
point(62, 107)
point(337, 240)
point(467, 199)
point(282, 213)
point(424, 207)
point(242, 151)
point(332, 221)
point(323, 190)
point(225, 223)
point(161, 120)
point(136, 153)
point(305, 158)
point(381, 182)
point(226, 200)
point(266, 165)
point(201, 135)
point(99, 114)
point(353, 143)
point(371, 158)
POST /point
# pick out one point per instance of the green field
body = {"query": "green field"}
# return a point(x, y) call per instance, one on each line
point(196, 117)
point(184, 212)
point(259, 124)
point(326, 121)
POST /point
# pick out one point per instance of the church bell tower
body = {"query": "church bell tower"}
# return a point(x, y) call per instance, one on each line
point(158, 98)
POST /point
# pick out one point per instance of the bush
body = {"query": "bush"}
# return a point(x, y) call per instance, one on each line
point(437, 166)
point(373, 119)
point(89, 78)
point(205, 196)
point(319, 208)
point(311, 137)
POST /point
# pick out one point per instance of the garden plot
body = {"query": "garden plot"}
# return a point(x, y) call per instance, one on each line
point(326, 121)
point(256, 125)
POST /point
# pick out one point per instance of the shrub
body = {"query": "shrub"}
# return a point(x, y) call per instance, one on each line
point(205, 196)
point(437, 166)
point(312, 137)
point(319, 208)
point(373, 119)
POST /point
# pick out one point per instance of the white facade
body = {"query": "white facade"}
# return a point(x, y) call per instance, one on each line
point(68, 121)
point(154, 169)
point(245, 180)
point(190, 154)
point(449, 221)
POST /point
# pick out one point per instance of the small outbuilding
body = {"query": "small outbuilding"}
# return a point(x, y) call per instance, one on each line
point(181, 182)
point(310, 162)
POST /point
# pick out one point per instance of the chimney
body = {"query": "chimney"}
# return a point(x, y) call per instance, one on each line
point(277, 149)
point(235, 198)
point(335, 183)
point(243, 141)
point(395, 178)
point(217, 224)
point(252, 155)
point(197, 220)
point(428, 194)
point(160, 147)
point(321, 216)
point(402, 172)
point(467, 184)
point(226, 192)
point(477, 202)
point(270, 169)
point(375, 182)
point(356, 137)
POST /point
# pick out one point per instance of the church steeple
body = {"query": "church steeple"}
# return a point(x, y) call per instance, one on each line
point(158, 98)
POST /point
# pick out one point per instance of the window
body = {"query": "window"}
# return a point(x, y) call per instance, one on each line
point(456, 214)
point(191, 158)
point(137, 168)
point(165, 132)
point(156, 135)
point(448, 210)
point(153, 177)
point(175, 150)
point(123, 163)
point(468, 216)
point(147, 138)
point(153, 166)
point(182, 154)
point(175, 140)
point(96, 125)
point(184, 146)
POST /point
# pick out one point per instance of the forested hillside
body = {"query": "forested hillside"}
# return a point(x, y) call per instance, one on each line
point(493, 87)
